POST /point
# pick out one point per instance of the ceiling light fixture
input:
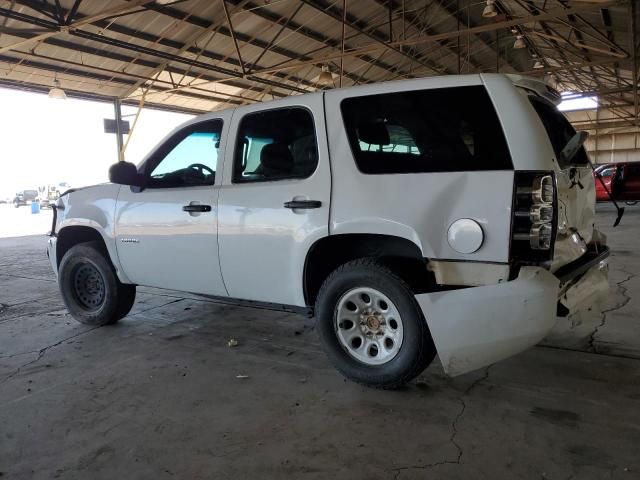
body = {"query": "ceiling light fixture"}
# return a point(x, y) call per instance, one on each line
point(325, 78)
point(519, 44)
point(490, 10)
point(57, 92)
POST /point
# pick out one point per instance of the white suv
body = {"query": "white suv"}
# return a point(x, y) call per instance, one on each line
point(449, 215)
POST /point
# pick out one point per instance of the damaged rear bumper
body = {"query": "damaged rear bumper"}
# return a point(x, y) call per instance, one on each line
point(475, 327)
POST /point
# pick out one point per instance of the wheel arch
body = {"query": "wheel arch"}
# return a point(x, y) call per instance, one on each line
point(401, 255)
point(72, 235)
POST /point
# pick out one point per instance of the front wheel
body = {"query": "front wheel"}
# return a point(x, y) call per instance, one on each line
point(371, 326)
point(90, 288)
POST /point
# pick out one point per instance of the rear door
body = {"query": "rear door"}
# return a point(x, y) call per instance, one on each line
point(631, 183)
point(274, 201)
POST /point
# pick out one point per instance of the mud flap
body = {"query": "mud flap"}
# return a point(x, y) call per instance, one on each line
point(475, 327)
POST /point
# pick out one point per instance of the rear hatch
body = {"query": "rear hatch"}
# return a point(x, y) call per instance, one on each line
point(575, 187)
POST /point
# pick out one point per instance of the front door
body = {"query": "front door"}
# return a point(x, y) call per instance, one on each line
point(274, 201)
point(166, 233)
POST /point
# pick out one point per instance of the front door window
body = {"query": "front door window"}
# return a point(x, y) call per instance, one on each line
point(190, 158)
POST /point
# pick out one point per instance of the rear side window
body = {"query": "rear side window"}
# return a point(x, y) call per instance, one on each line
point(441, 130)
point(558, 129)
point(632, 171)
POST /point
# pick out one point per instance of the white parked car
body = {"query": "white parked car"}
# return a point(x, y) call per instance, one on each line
point(450, 215)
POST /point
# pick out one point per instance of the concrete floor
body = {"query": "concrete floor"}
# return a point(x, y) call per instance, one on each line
point(157, 396)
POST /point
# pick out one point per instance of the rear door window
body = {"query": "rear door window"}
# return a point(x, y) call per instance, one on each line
point(274, 145)
point(632, 171)
point(441, 130)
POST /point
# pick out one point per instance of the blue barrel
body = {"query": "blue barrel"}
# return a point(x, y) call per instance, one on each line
point(35, 207)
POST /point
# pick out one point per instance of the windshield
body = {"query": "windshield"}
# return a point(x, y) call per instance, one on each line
point(559, 130)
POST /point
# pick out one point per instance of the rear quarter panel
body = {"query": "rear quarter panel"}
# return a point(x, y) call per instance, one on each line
point(526, 137)
point(419, 207)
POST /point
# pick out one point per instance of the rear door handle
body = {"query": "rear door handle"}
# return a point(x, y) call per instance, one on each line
point(196, 208)
point(303, 204)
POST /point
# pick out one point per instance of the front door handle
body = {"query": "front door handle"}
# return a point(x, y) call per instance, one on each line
point(303, 204)
point(196, 208)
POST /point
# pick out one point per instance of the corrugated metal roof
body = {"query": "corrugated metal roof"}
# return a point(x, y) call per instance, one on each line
point(182, 55)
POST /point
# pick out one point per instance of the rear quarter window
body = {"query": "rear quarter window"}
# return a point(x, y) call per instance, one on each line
point(439, 130)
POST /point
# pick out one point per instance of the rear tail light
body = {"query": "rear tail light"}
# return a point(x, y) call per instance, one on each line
point(534, 217)
point(542, 193)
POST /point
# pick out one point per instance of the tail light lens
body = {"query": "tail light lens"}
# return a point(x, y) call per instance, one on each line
point(534, 220)
point(542, 190)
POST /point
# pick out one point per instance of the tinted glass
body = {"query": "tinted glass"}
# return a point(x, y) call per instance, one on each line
point(451, 129)
point(558, 129)
point(190, 158)
point(632, 171)
point(275, 145)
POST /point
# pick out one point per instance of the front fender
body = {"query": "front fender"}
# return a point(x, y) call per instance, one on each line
point(93, 207)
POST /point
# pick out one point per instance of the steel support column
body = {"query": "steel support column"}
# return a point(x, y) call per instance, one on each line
point(119, 135)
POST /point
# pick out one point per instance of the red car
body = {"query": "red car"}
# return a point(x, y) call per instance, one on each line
point(621, 179)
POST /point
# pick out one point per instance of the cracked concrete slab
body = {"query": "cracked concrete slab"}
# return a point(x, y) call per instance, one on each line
point(157, 395)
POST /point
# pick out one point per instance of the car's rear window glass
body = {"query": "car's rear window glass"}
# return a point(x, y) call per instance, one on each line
point(440, 130)
point(558, 129)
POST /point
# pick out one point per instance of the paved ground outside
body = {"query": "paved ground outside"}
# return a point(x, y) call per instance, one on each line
point(158, 395)
point(15, 222)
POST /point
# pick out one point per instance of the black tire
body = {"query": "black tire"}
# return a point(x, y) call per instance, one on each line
point(90, 287)
point(417, 350)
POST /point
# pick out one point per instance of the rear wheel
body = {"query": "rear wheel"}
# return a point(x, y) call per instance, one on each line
point(90, 288)
point(371, 326)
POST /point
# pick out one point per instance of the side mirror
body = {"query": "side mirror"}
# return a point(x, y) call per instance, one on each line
point(125, 173)
point(573, 146)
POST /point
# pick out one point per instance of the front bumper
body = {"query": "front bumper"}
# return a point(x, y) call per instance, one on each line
point(475, 327)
